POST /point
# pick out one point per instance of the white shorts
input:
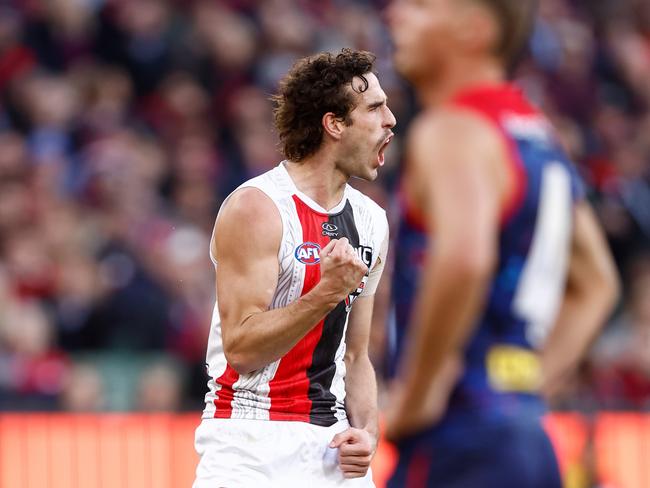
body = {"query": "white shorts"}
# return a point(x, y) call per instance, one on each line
point(266, 454)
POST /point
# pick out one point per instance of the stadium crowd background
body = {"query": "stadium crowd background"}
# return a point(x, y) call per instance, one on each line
point(124, 124)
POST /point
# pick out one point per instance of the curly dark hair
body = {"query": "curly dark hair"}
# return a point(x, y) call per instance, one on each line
point(313, 87)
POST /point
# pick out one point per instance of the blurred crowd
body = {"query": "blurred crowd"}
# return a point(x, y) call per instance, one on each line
point(124, 124)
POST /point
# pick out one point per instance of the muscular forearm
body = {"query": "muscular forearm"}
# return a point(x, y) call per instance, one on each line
point(579, 320)
point(592, 291)
point(361, 395)
point(264, 337)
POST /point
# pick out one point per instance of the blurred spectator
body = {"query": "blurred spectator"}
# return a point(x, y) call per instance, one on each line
point(84, 390)
point(32, 372)
point(159, 388)
point(125, 123)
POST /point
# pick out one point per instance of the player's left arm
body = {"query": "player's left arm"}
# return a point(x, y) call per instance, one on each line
point(357, 444)
point(453, 156)
point(591, 292)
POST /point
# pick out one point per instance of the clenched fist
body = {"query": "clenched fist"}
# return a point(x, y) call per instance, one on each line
point(341, 270)
point(356, 448)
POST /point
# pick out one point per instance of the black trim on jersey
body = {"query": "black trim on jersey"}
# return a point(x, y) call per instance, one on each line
point(323, 368)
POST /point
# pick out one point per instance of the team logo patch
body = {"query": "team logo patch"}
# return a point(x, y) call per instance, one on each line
point(353, 296)
point(330, 230)
point(308, 253)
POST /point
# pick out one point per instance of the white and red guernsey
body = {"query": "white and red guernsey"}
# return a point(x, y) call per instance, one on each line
point(307, 384)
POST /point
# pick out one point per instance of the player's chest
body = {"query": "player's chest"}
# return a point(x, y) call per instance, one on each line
point(311, 231)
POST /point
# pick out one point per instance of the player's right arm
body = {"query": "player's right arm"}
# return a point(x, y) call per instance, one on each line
point(454, 158)
point(591, 292)
point(246, 241)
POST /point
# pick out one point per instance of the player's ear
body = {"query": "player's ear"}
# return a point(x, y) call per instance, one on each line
point(333, 125)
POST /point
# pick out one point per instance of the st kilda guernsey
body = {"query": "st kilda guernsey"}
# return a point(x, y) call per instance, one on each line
point(307, 384)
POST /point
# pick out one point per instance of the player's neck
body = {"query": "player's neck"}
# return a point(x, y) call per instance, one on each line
point(459, 75)
point(319, 179)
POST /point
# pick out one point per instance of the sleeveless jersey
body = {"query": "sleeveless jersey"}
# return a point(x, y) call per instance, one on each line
point(501, 366)
point(307, 384)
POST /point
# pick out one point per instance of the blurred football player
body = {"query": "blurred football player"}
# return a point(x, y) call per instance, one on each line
point(502, 274)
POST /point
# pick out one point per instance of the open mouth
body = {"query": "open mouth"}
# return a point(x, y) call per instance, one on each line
point(382, 149)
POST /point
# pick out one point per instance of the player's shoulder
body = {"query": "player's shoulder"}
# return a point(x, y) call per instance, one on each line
point(358, 198)
point(362, 202)
point(258, 196)
point(254, 203)
point(249, 211)
point(248, 222)
point(274, 183)
point(442, 134)
point(451, 124)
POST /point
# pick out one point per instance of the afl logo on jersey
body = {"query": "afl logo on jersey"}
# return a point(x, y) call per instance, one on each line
point(308, 253)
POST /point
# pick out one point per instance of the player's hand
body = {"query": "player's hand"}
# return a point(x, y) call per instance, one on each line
point(356, 448)
point(413, 411)
point(402, 421)
point(555, 389)
point(341, 270)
